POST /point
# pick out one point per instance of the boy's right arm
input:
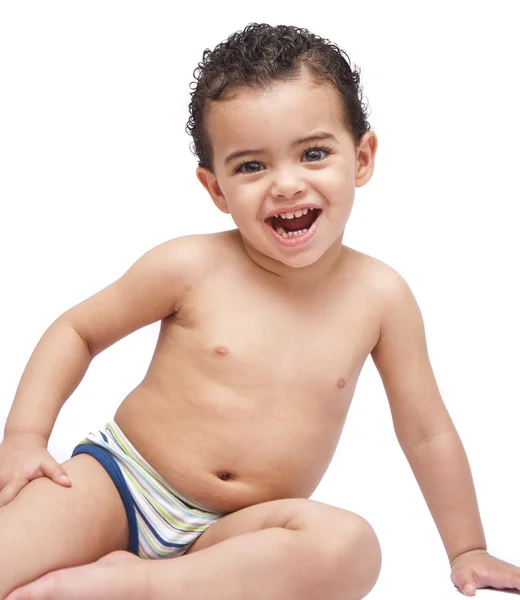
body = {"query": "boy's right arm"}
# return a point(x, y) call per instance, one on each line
point(147, 292)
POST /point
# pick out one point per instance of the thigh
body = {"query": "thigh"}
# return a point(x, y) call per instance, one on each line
point(48, 526)
point(323, 521)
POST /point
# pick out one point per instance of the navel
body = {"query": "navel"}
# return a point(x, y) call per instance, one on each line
point(225, 476)
point(222, 350)
point(340, 383)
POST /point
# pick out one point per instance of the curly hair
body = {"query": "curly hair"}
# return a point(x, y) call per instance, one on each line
point(262, 54)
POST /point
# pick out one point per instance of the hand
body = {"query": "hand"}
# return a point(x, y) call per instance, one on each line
point(24, 457)
point(478, 569)
point(117, 576)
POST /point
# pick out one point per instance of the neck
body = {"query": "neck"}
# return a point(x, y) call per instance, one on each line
point(301, 277)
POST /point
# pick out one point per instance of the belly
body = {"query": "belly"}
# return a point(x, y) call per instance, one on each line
point(227, 452)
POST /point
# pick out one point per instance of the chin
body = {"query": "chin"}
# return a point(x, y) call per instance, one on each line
point(302, 261)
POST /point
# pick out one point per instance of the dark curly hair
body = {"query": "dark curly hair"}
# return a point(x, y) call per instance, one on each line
point(261, 54)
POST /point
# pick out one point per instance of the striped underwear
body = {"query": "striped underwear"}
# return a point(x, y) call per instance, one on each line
point(162, 522)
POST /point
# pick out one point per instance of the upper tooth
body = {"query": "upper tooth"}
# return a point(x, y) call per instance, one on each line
point(298, 213)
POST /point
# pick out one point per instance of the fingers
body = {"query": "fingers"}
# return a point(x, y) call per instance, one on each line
point(495, 574)
point(48, 468)
point(51, 469)
point(11, 490)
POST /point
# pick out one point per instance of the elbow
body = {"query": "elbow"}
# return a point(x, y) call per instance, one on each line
point(62, 321)
point(429, 440)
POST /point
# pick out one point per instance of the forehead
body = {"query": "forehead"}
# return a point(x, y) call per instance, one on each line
point(274, 115)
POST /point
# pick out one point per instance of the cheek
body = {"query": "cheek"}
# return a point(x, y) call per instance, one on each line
point(245, 201)
point(331, 182)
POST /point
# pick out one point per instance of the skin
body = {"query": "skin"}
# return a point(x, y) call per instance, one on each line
point(267, 342)
point(202, 356)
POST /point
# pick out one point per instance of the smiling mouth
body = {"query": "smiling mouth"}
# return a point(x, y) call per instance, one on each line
point(296, 225)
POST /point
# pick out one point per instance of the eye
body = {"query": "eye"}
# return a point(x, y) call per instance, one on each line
point(240, 167)
point(314, 149)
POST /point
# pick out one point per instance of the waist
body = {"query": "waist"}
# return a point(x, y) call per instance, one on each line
point(213, 450)
point(189, 460)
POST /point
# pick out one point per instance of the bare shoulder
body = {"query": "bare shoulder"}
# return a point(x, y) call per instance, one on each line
point(198, 248)
point(380, 278)
point(394, 304)
point(386, 292)
point(188, 259)
point(391, 291)
point(186, 252)
point(150, 290)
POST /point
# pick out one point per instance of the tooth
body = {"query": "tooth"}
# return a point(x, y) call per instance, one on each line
point(285, 235)
point(298, 213)
point(280, 230)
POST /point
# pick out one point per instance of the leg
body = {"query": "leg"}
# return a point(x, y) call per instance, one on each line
point(292, 549)
point(48, 527)
point(285, 549)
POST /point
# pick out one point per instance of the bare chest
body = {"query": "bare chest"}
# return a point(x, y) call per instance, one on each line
point(241, 363)
point(254, 339)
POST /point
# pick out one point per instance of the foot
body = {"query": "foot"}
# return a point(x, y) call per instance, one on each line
point(117, 576)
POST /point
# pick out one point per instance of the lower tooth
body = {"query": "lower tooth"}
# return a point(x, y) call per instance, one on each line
point(289, 234)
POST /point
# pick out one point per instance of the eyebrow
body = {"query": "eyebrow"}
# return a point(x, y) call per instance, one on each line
point(317, 136)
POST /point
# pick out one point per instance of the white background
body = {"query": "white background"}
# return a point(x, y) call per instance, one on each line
point(95, 169)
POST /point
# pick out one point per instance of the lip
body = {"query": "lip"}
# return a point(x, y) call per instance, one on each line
point(295, 241)
point(292, 209)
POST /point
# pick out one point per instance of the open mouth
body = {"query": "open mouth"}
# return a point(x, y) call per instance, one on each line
point(296, 225)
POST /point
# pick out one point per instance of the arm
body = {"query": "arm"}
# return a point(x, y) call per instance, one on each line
point(146, 293)
point(421, 421)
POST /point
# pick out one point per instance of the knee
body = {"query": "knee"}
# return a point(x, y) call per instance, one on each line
point(355, 559)
point(342, 545)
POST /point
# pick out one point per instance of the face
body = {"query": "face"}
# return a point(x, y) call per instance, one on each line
point(286, 151)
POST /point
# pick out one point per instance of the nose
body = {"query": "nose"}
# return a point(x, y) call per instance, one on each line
point(286, 183)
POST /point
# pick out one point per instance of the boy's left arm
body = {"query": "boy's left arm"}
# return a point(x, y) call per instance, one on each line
point(430, 441)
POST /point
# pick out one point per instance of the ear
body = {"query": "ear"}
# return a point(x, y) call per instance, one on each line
point(366, 155)
point(209, 181)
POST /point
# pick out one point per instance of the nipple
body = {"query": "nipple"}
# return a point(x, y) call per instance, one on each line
point(340, 383)
point(222, 350)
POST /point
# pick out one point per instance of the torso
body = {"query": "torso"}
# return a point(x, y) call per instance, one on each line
point(248, 390)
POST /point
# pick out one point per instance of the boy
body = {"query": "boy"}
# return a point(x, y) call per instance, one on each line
point(210, 462)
